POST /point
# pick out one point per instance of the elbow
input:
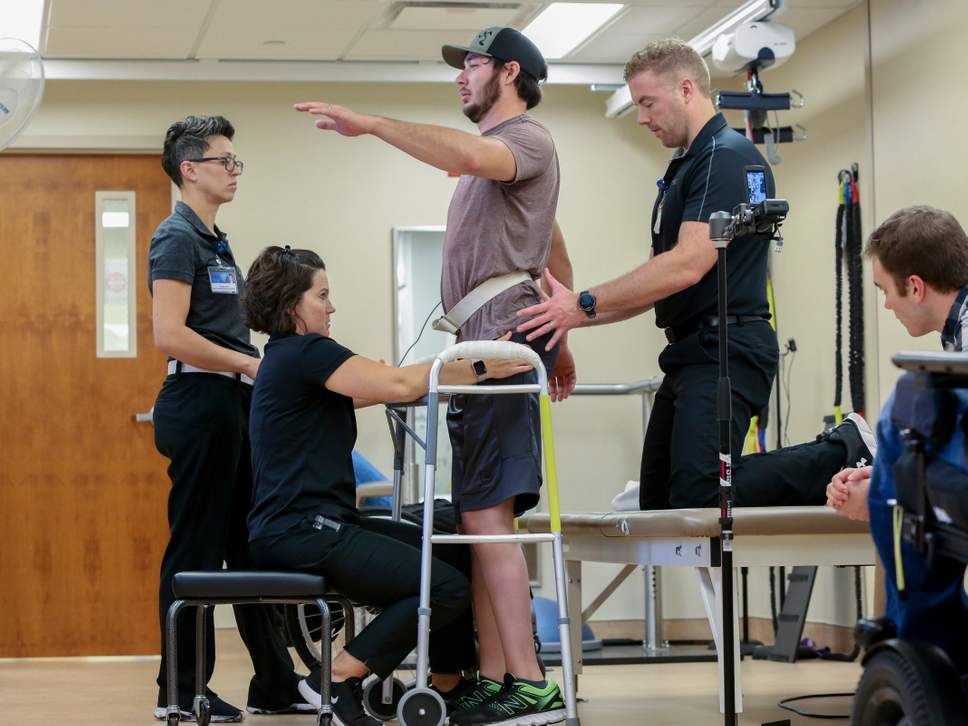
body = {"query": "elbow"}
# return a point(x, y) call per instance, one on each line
point(689, 278)
point(471, 164)
point(164, 340)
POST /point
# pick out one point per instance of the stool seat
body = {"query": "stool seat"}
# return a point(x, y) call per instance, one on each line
point(247, 584)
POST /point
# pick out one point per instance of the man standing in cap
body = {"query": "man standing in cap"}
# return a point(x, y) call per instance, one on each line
point(501, 231)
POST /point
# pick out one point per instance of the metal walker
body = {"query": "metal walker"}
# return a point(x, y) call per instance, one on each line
point(423, 706)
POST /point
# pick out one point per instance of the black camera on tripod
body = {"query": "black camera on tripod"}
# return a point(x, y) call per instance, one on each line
point(757, 216)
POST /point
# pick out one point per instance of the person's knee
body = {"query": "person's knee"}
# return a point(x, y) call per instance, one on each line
point(496, 519)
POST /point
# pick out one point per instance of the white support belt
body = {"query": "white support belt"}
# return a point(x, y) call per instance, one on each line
point(185, 368)
point(475, 300)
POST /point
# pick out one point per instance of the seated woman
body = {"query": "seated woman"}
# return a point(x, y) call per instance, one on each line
point(304, 518)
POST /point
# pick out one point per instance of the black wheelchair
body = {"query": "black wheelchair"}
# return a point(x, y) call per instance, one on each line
point(907, 682)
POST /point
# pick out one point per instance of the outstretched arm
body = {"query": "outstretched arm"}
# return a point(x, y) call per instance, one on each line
point(449, 149)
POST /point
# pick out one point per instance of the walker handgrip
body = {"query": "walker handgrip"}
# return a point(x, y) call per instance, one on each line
point(503, 349)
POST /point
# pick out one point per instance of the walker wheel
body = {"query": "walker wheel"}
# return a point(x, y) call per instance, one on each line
point(421, 707)
point(203, 712)
point(373, 699)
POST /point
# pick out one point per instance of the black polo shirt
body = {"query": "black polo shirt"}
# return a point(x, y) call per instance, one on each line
point(182, 248)
point(302, 437)
point(705, 178)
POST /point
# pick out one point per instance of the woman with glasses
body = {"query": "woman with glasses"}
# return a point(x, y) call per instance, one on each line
point(201, 414)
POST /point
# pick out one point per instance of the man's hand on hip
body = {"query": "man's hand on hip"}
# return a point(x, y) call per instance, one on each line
point(339, 118)
point(559, 313)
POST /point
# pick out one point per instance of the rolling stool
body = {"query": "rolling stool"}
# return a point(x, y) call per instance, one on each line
point(202, 590)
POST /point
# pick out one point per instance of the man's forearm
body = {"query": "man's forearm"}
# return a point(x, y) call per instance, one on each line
point(445, 148)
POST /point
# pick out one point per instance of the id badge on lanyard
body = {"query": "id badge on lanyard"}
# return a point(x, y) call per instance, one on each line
point(223, 279)
point(657, 227)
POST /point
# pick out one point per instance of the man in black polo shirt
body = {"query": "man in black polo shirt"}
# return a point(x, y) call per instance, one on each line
point(669, 83)
point(201, 415)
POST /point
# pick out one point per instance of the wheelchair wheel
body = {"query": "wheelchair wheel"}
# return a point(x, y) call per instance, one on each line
point(907, 690)
point(373, 699)
point(303, 626)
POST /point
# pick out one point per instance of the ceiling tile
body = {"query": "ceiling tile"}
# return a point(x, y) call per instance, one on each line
point(468, 18)
point(130, 13)
point(308, 29)
point(153, 43)
point(411, 45)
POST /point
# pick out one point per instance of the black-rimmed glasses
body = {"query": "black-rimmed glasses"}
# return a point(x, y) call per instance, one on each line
point(230, 163)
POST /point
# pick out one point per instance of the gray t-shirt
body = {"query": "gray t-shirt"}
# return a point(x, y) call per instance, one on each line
point(183, 249)
point(494, 228)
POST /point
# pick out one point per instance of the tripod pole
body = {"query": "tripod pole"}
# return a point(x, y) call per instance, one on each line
point(724, 414)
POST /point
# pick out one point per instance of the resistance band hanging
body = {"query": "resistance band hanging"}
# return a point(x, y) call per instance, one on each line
point(848, 252)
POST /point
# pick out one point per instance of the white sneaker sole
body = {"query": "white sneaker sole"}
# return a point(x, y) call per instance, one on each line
point(866, 435)
point(535, 719)
point(291, 708)
point(315, 700)
point(161, 714)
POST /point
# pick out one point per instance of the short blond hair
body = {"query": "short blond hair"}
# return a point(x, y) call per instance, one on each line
point(671, 57)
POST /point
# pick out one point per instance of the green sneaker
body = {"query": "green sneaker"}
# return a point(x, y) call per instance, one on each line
point(519, 703)
point(483, 690)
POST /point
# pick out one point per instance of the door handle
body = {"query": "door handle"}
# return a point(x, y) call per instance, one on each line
point(146, 417)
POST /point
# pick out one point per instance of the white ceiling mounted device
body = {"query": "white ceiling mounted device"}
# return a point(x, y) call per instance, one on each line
point(21, 87)
point(763, 45)
point(755, 10)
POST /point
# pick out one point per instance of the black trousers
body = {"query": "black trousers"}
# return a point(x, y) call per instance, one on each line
point(376, 562)
point(680, 457)
point(201, 424)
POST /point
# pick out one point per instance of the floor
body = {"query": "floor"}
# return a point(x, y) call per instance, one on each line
point(121, 691)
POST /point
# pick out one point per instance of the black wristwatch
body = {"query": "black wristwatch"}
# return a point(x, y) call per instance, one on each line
point(586, 303)
point(480, 370)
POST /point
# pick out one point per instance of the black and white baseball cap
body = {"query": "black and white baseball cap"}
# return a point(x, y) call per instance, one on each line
point(505, 44)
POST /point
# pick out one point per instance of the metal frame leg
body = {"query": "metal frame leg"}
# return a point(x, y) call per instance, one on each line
point(171, 636)
point(565, 635)
point(325, 713)
point(575, 615)
point(711, 589)
point(200, 645)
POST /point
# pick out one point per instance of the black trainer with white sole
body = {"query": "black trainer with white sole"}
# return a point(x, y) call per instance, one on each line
point(221, 712)
point(859, 440)
point(346, 697)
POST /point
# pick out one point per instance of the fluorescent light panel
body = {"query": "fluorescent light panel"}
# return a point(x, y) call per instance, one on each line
point(562, 27)
point(22, 19)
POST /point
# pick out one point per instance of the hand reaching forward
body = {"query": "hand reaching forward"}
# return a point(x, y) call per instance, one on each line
point(338, 118)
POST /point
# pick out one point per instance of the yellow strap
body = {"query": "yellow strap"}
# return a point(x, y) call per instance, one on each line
point(838, 415)
point(898, 560)
point(752, 440)
point(551, 470)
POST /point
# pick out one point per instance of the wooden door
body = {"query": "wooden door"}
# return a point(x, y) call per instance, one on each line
point(83, 492)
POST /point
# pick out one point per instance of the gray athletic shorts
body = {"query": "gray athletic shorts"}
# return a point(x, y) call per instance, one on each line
point(496, 442)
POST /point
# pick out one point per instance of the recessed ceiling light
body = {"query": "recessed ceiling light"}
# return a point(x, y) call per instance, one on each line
point(562, 27)
point(273, 42)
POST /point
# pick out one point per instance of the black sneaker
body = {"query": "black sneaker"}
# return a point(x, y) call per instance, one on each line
point(519, 703)
point(857, 437)
point(476, 693)
point(221, 712)
point(290, 702)
point(465, 686)
point(346, 697)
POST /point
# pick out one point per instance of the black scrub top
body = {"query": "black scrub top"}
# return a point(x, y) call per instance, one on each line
point(710, 177)
point(302, 437)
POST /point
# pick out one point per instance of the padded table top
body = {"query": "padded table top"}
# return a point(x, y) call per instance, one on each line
point(701, 522)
